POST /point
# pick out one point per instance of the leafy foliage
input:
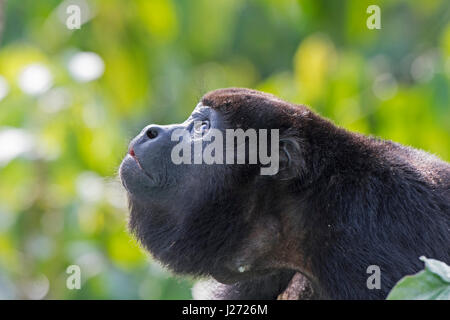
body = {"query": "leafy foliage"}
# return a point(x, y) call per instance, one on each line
point(433, 283)
point(66, 117)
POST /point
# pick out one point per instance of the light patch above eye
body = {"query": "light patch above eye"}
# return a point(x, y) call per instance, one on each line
point(201, 106)
point(200, 111)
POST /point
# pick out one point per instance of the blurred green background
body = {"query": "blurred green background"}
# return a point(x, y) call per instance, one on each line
point(70, 100)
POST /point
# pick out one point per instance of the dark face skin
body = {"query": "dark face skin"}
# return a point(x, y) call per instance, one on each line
point(203, 219)
point(147, 171)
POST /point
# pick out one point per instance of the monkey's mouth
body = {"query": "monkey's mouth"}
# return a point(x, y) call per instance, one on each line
point(133, 155)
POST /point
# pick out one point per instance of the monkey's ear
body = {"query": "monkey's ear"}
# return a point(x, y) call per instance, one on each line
point(291, 160)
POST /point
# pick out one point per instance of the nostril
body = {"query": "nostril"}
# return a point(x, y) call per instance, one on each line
point(152, 133)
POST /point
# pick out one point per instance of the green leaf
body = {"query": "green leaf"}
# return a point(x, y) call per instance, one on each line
point(437, 267)
point(433, 283)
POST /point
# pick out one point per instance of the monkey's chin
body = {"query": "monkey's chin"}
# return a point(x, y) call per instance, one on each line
point(134, 179)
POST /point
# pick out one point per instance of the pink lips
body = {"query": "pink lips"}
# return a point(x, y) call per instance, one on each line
point(132, 154)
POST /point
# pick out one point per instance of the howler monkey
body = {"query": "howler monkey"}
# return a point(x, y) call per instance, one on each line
point(338, 202)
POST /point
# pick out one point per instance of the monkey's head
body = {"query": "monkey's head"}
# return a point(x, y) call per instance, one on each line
point(206, 203)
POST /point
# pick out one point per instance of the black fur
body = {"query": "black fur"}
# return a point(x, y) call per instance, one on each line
point(349, 201)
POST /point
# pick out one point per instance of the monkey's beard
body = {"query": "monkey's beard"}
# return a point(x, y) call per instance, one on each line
point(198, 244)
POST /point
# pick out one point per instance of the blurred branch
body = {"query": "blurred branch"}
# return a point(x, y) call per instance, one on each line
point(299, 288)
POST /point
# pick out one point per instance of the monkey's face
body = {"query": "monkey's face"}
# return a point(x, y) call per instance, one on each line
point(184, 211)
point(153, 167)
point(192, 208)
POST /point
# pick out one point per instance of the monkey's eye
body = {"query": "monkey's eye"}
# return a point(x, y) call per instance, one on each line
point(201, 127)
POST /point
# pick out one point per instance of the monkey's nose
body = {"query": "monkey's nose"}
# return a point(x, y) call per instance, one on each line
point(151, 136)
point(152, 132)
